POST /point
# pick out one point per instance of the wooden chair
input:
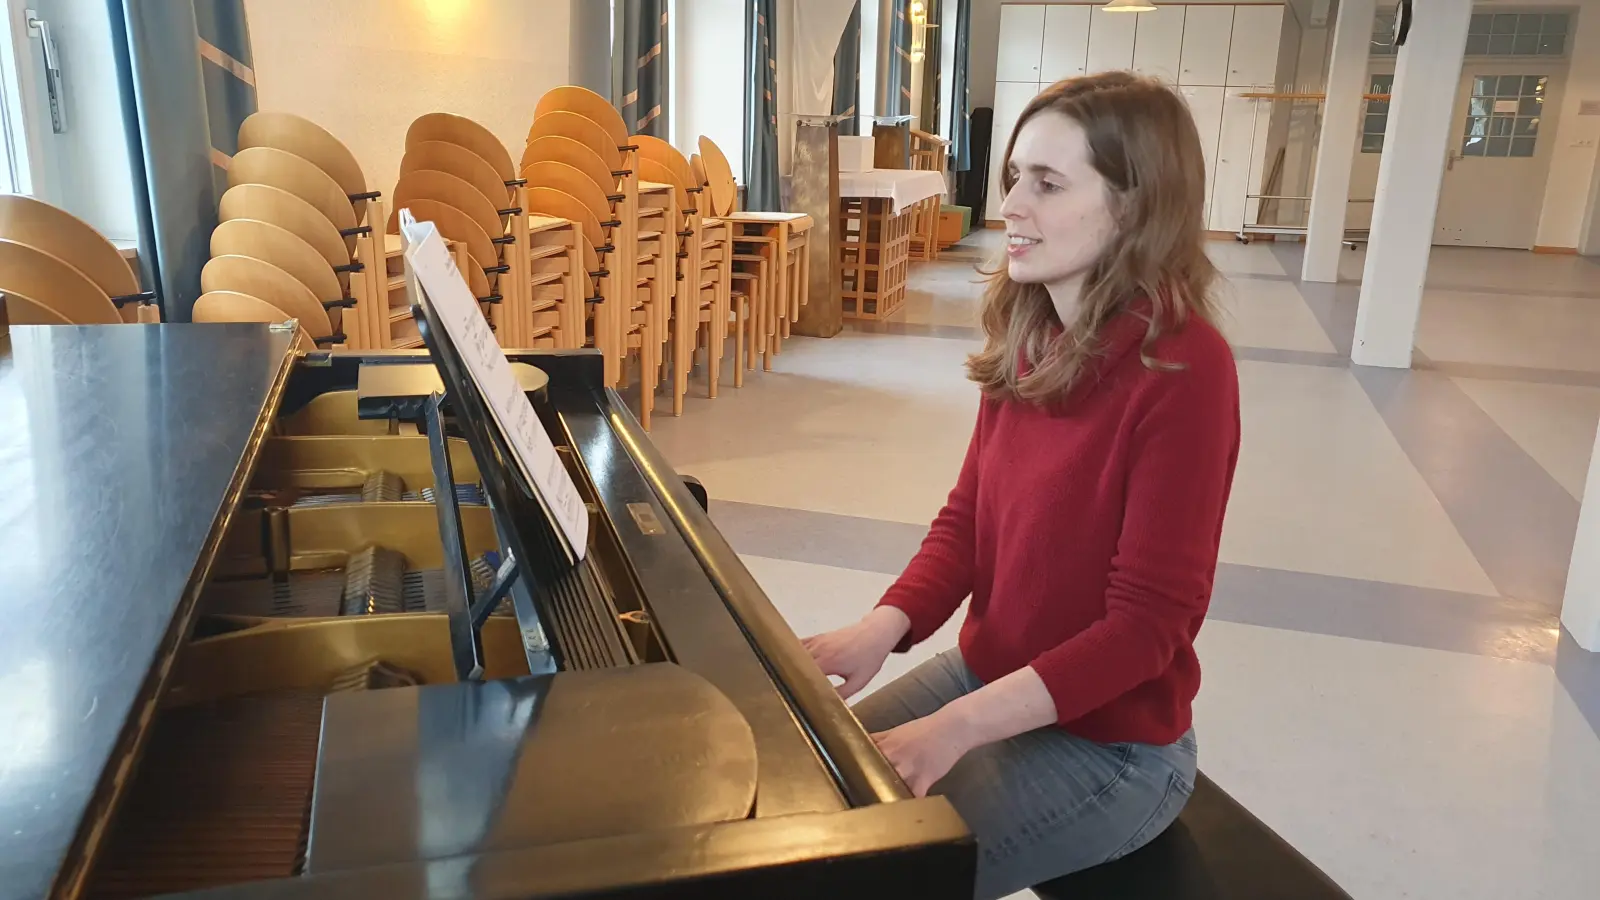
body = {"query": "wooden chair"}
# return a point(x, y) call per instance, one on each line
point(230, 306)
point(54, 285)
point(264, 281)
point(16, 309)
point(60, 234)
point(628, 316)
point(292, 177)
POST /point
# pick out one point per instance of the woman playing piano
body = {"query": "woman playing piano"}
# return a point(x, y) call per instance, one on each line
point(1085, 522)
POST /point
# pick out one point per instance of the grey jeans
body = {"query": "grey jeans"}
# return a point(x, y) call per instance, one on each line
point(1045, 803)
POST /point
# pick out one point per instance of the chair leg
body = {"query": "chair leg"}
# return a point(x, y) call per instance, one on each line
point(740, 314)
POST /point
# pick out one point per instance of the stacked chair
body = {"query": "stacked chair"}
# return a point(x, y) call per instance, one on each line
point(930, 153)
point(771, 256)
point(295, 238)
point(457, 174)
point(57, 270)
point(579, 165)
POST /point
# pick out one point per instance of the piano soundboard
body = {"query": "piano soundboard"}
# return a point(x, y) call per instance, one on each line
point(283, 623)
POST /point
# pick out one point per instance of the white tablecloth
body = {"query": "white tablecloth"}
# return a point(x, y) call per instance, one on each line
point(903, 186)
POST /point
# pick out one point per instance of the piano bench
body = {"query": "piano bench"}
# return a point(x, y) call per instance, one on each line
point(1216, 850)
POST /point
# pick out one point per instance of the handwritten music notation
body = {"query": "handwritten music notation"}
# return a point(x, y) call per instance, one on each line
point(446, 291)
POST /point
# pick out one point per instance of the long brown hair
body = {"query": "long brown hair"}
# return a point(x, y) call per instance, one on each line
point(1143, 142)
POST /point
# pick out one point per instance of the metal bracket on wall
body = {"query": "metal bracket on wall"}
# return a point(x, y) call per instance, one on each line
point(40, 28)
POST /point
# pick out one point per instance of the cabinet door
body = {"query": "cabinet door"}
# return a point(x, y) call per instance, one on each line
point(1253, 51)
point(1205, 105)
point(1158, 43)
point(1206, 32)
point(1066, 43)
point(1010, 99)
point(1235, 149)
point(1021, 43)
point(1111, 40)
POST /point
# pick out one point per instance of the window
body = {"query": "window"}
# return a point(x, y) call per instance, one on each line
point(1503, 115)
point(1517, 34)
point(1376, 120)
point(1493, 34)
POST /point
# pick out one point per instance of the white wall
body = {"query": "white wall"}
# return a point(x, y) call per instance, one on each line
point(1573, 158)
point(85, 170)
point(365, 69)
point(709, 73)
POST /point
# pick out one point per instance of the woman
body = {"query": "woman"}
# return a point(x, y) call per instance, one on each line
point(1085, 521)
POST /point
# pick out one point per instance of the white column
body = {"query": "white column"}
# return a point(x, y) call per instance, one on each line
point(1336, 148)
point(1416, 140)
point(1580, 608)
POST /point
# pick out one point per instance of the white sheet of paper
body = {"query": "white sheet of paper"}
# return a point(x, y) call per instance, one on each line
point(458, 311)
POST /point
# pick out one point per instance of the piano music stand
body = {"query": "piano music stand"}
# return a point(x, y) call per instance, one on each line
point(536, 552)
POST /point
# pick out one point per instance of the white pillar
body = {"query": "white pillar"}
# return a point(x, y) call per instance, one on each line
point(1336, 148)
point(1415, 143)
point(1580, 608)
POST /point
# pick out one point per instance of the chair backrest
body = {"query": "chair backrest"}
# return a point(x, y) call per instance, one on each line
point(443, 156)
point(266, 203)
point(574, 99)
point(311, 142)
point(232, 306)
point(460, 130)
point(656, 149)
point(556, 149)
point(430, 184)
point(548, 201)
point(568, 180)
point(52, 283)
point(16, 309)
point(719, 178)
point(298, 176)
point(581, 129)
point(62, 235)
point(650, 170)
point(281, 248)
point(453, 224)
point(265, 281)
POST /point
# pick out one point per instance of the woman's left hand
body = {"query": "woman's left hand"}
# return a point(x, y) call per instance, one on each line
point(924, 750)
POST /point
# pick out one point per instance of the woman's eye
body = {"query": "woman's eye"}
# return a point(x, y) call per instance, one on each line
point(1049, 187)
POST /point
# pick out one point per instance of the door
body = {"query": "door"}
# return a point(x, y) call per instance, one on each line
point(1111, 40)
point(1066, 43)
point(1010, 99)
point(1207, 31)
point(1253, 46)
point(1158, 44)
point(1499, 155)
point(1205, 105)
point(1021, 43)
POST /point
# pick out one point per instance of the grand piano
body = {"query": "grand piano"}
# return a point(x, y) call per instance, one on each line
point(284, 623)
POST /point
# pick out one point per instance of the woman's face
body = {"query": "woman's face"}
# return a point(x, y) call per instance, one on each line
point(1058, 214)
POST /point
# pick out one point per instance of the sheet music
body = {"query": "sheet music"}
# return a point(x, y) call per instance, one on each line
point(447, 293)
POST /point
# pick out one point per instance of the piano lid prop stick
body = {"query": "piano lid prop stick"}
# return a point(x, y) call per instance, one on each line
point(445, 290)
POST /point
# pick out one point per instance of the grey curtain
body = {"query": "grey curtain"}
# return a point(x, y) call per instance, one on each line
point(643, 50)
point(762, 191)
point(184, 70)
point(932, 105)
point(847, 73)
point(961, 127)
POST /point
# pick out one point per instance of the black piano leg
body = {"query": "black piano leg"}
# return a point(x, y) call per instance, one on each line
point(699, 491)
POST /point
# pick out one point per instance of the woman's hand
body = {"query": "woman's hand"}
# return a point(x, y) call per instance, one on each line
point(856, 652)
point(924, 750)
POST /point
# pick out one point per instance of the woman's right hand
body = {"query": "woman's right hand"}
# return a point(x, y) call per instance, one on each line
point(856, 652)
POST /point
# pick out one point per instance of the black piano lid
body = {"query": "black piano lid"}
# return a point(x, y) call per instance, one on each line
point(121, 448)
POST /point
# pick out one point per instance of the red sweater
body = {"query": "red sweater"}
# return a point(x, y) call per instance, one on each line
point(1086, 534)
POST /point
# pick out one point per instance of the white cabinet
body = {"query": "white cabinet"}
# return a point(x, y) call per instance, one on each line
point(1236, 147)
point(1066, 43)
point(1205, 106)
point(1207, 31)
point(1010, 99)
point(1253, 52)
point(1158, 44)
point(1111, 40)
point(1021, 43)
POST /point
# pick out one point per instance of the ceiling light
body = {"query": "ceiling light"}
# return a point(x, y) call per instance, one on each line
point(1129, 6)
